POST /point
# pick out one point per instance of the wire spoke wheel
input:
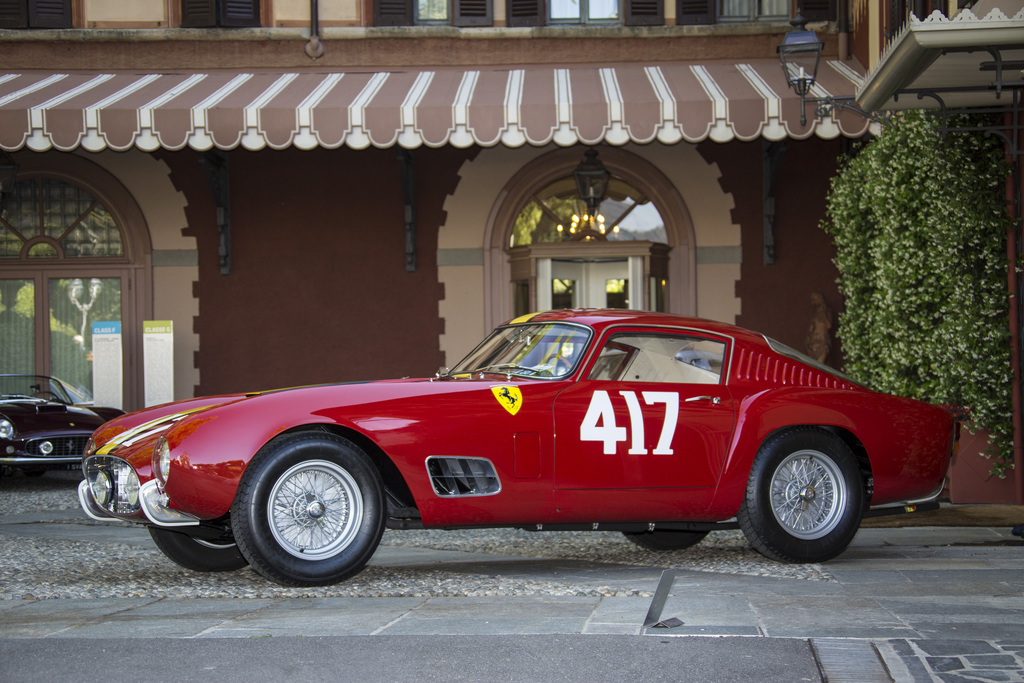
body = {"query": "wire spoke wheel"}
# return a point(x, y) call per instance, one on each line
point(309, 510)
point(315, 509)
point(808, 494)
point(805, 496)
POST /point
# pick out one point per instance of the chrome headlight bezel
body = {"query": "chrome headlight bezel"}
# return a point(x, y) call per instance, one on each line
point(161, 462)
point(7, 430)
point(103, 472)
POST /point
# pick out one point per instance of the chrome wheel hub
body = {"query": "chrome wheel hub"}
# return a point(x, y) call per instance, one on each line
point(808, 494)
point(315, 510)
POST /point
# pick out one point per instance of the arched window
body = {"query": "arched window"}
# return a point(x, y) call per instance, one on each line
point(555, 214)
point(560, 257)
point(65, 264)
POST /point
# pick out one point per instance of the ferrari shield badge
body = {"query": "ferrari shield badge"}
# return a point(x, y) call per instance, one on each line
point(510, 398)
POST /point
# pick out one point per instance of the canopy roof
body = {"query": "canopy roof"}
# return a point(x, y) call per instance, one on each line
point(968, 61)
point(536, 105)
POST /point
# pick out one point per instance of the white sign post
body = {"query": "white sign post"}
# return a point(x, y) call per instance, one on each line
point(107, 381)
point(158, 360)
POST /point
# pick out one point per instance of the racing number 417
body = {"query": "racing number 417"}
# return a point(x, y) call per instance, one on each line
point(599, 423)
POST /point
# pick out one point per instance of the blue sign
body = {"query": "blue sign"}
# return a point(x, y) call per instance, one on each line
point(109, 327)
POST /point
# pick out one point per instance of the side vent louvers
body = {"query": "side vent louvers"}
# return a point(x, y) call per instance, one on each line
point(452, 476)
point(759, 367)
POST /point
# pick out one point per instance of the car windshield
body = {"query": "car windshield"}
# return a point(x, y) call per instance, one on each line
point(545, 351)
point(36, 386)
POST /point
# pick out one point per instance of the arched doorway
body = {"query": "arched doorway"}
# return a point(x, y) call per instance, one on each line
point(74, 250)
point(638, 254)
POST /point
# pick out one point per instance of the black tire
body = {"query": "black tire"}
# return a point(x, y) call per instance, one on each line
point(666, 539)
point(195, 554)
point(805, 497)
point(309, 510)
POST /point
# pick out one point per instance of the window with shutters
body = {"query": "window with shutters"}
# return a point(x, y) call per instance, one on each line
point(584, 12)
point(213, 13)
point(595, 12)
point(752, 10)
point(735, 11)
point(35, 14)
point(426, 12)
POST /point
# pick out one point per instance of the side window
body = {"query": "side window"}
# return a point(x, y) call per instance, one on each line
point(211, 13)
point(35, 14)
point(722, 11)
point(614, 12)
point(672, 359)
point(425, 12)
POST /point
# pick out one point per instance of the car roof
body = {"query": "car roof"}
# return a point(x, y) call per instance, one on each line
point(601, 318)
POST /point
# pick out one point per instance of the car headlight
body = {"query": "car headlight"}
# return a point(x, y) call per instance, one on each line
point(101, 486)
point(6, 429)
point(161, 461)
point(113, 484)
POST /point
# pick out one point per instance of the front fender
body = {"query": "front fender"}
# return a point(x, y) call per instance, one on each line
point(211, 450)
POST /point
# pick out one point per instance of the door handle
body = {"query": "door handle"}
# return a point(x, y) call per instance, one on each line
point(714, 399)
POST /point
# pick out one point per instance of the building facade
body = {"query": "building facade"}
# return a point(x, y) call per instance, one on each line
point(354, 189)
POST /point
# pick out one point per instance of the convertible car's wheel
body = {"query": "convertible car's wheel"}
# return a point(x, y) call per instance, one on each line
point(195, 554)
point(309, 510)
point(805, 497)
point(665, 539)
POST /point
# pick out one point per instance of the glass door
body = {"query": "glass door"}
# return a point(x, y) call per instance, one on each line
point(74, 305)
point(588, 284)
point(17, 326)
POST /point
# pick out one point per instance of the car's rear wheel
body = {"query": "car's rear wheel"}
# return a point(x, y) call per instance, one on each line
point(665, 539)
point(309, 510)
point(805, 497)
point(196, 554)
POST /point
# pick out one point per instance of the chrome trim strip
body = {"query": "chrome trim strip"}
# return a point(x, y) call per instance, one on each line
point(156, 509)
point(917, 501)
point(89, 505)
point(40, 460)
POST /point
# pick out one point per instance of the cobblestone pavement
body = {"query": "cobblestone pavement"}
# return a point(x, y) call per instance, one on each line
point(912, 604)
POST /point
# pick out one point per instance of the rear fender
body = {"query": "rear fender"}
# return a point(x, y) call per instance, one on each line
point(761, 415)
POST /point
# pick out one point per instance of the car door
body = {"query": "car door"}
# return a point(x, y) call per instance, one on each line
point(653, 411)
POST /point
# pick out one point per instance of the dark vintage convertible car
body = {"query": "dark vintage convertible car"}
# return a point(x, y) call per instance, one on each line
point(45, 423)
point(654, 425)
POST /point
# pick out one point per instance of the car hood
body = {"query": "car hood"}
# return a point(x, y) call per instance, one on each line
point(284, 407)
point(35, 416)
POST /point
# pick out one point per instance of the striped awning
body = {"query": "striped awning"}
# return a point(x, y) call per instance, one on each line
point(616, 104)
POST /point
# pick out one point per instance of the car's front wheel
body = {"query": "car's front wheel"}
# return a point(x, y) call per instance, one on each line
point(805, 497)
point(309, 510)
point(196, 554)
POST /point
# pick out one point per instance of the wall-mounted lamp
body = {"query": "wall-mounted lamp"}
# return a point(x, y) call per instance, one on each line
point(800, 54)
point(8, 174)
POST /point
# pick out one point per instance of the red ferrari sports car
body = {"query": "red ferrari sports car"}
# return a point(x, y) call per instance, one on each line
point(658, 426)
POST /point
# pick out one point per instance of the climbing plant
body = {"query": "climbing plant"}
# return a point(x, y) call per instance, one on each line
point(919, 222)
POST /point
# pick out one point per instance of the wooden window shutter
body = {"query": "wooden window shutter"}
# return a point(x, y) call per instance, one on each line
point(695, 12)
point(239, 12)
point(13, 14)
point(198, 13)
point(645, 13)
point(392, 13)
point(819, 10)
point(473, 13)
point(49, 13)
point(525, 12)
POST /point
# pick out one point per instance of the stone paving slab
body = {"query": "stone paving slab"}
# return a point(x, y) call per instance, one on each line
point(929, 609)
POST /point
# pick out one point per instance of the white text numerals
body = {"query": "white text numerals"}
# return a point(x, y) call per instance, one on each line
point(599, 423)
